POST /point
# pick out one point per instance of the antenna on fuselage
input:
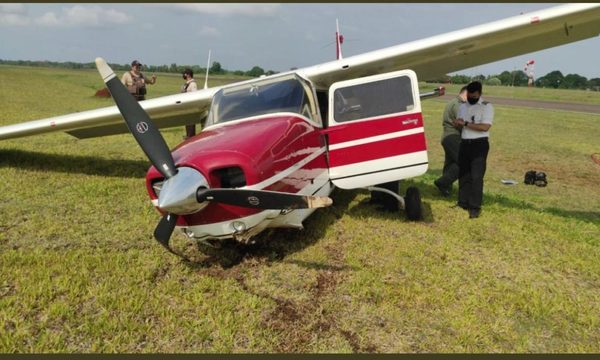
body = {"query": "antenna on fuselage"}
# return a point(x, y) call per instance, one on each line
point(339, 40)
point(207, 68)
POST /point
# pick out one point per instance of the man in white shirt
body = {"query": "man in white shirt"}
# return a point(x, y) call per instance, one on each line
point(475, 117)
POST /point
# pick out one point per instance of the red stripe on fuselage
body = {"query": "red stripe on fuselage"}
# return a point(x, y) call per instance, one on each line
point(355, 130)
point(378, 150)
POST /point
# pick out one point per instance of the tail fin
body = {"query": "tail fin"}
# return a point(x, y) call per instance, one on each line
point(207, 67)
point(339, 40)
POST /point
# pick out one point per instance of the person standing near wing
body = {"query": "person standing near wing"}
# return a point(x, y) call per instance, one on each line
point(475, 117)
point(450, 143)
point(136, 81)
point(189, 86)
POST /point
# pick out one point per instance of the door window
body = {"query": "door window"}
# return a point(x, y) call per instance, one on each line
point(373, 99)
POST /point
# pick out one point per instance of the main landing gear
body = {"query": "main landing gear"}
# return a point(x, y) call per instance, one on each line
point(387, 195)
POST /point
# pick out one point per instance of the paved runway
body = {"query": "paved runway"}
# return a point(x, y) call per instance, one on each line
point(539, 104)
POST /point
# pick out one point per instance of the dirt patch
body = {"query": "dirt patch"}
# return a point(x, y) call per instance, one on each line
point(326, 282)
point(9, 326)
point(158, 273)
point(354, 342)
point(288, 310)
point(6, 289)
point(296, 322)
point(103, 93)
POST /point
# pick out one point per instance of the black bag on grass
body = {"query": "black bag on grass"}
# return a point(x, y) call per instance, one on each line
point(540, 179)
point(530, 177)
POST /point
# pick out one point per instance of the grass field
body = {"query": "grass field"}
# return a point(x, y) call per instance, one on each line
point(80, 272)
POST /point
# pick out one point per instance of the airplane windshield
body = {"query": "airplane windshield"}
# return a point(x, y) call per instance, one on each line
point(286, 94)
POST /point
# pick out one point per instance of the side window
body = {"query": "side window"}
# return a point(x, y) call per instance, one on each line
point(377, 98)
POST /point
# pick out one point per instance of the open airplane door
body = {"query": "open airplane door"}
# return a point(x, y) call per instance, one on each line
point(376, 132)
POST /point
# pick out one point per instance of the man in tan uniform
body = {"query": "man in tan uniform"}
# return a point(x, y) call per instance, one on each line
point(136, 82)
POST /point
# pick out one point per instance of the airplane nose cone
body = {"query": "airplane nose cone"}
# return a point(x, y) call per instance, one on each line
point(178, 193)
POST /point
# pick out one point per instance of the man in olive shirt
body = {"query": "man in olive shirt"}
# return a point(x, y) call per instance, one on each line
point(450, 143)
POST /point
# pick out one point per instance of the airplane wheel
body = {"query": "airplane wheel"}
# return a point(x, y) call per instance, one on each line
point(412, 203)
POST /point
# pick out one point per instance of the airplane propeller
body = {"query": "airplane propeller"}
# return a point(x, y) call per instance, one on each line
point(154, 145)
point(147, 136)
point(262, 199)
point(165, 228)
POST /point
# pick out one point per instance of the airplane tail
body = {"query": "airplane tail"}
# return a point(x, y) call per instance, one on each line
point(339, 40)
point(207, 68)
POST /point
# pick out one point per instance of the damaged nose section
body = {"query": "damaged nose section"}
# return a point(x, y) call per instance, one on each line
point(178, 193)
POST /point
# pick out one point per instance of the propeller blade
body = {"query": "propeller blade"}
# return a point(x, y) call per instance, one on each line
point(139, 123)
point(261, 199)
point(164, 229)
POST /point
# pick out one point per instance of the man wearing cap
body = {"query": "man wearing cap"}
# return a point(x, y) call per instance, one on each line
point(136, 82)
point(475, 117)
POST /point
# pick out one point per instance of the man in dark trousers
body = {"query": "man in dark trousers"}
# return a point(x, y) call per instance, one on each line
point(450, 143)
point(475, 117)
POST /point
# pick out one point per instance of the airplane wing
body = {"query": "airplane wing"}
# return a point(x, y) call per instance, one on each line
point(166, 111)
point(429, 58)
point(438, 55)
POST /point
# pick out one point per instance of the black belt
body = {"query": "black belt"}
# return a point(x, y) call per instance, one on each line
point(472, 141)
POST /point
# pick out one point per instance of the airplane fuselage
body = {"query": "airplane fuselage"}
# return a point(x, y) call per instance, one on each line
point(272, 135)
point(282, 152)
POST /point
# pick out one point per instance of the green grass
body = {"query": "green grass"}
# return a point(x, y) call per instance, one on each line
point(80, 271)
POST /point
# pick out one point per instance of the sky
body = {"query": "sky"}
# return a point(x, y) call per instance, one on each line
point(273, 36)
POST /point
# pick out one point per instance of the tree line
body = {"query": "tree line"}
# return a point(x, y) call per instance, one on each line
point(554, 79)
point(215, 68)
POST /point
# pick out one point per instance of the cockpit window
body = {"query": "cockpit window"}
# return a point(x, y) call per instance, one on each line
point(287, 94)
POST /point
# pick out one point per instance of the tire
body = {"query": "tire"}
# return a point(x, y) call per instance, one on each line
point(412, 204)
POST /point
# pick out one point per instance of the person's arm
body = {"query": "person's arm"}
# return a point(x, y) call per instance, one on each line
point(453, 113)
point(457, 115)
point(152, 79)
point(478, 127)
point(460, 122)
point(192, 86)
point(124, 78)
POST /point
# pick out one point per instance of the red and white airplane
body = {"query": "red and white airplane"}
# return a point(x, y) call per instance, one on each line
point(274, 148)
